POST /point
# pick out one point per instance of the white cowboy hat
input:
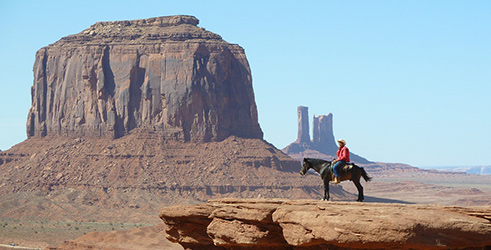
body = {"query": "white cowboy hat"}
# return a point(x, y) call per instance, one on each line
point(342, 141)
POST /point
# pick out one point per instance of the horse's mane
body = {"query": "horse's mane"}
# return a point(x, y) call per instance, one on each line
point(315, 161)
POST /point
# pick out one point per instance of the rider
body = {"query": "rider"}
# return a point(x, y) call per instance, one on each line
point(342, 159)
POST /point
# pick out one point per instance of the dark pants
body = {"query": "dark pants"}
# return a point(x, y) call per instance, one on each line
point(337, 167)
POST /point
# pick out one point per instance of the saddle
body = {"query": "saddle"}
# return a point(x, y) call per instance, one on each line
point(348, 166)
point(344, 169)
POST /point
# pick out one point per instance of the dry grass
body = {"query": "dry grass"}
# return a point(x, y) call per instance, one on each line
point(42, 233)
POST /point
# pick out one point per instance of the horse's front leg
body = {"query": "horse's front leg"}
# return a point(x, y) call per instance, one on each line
point(326, 190)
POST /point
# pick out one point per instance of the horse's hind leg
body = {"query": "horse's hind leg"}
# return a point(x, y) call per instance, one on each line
point(358, 185)
point(326, 190)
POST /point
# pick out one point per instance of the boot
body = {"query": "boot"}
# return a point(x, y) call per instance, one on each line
point(336, 180)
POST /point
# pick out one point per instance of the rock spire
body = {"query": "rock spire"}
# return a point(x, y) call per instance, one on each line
point(303, 125)
point(323, 135)
point(322, 145)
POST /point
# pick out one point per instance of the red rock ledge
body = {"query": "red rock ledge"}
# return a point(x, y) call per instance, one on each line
point(309, 224)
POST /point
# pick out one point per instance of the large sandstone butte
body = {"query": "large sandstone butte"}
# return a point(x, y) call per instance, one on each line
point(163, 75)
point(307, 224)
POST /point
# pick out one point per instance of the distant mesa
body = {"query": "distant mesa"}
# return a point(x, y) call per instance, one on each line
point(322, 145)
point(161, 75)
point(478, 170)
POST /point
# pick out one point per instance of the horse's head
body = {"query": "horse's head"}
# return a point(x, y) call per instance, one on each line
point(305, 166)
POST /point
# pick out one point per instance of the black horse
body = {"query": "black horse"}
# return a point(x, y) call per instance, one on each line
point(349, 172)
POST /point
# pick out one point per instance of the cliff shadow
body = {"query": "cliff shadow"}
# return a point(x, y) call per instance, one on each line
point(350, 197)
point(384, 200)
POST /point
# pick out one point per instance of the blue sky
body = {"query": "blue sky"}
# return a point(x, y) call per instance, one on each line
point(406, 81)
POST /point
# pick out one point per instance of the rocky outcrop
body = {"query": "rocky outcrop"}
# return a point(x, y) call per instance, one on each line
point(322, 144)
point(161, 75)
point(307, 224)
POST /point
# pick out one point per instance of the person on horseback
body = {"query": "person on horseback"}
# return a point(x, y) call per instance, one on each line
point(341, 160)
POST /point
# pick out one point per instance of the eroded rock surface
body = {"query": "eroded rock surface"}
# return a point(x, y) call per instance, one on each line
point(162, 75)
point(308, 224)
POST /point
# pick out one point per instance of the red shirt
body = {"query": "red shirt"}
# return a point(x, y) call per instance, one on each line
point(343, 154)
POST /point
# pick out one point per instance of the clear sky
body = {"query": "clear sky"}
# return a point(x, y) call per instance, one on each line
point(406, 81)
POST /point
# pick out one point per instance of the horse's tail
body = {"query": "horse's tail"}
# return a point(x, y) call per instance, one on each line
point(364, 174)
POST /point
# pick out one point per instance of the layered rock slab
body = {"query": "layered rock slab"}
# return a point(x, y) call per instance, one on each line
point(164, 75)
point(307, 224)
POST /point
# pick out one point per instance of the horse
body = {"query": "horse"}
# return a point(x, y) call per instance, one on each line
point(350, 172)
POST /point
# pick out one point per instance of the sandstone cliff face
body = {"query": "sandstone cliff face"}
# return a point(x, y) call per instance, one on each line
point(163, 75)
point(307, 224)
